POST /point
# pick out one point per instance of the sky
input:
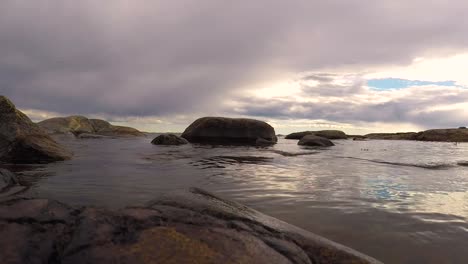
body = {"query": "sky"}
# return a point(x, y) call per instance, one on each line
point(360, 66)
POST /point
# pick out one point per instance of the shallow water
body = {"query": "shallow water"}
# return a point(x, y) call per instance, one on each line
point(398, 201)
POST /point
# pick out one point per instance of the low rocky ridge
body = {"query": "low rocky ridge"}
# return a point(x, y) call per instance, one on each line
point(185, 227)
point(441, 135)
point(169, 139)
point(78, 125)
point(316, 141)
point(329, 134)
point(232, 131)
point(22, 141)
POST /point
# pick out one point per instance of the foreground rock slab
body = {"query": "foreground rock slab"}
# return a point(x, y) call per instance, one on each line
point(223, 130)
point(185, 227)
point(78, 125)
point(22, 141)
point(169, 139)
point(329, 134)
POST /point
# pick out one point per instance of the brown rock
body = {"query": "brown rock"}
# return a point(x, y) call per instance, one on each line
point(22, 141)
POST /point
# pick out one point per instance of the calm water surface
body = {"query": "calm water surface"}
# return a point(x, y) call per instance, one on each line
point(398, 201)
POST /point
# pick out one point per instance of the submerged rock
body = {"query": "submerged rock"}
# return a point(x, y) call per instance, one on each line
point(22, 141)
point(188, 227)
point(169, 139)
point(312, 140)
point(82, 125)
point(222, 130)
point(330, 134)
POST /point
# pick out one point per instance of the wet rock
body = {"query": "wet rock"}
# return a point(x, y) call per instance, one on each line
point(312, 140)
point(81, 125)
point(22, 141)
point(231, 131)
point(169, 139)
point(329, 134)
point(184, 227)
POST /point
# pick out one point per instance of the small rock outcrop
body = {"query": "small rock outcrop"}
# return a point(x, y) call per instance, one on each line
point(330, 134)
point(185, 227)
point(316, 141)
point(229, 131)
point(393, 136)
point(78, 125)
point(22, 141)
point(169, 139)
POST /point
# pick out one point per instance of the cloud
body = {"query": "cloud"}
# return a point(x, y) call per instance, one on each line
point(347, 99)
point(159, 59)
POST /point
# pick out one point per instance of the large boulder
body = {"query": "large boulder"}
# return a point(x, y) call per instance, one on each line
point(222, 130)
point(22, 141)
point(169, 139)
point(78, 125)
point(315, 141)
point(330, 134)
point(185, 227)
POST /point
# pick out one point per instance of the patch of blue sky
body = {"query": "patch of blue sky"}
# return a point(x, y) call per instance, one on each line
point(396, 84)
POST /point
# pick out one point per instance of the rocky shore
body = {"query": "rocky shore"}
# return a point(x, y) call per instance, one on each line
point(185, 227)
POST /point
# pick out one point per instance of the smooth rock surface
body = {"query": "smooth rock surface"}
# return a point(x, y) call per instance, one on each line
point(22, 141)
point(316, 141)
point(81, 125)
point(185, 227)
point(222, 130)
point(169, 139)
point(330, 134)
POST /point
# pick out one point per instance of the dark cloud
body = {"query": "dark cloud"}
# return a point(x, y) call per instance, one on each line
point(143, 58)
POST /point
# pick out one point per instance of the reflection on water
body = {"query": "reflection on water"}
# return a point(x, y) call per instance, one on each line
point(399, 201)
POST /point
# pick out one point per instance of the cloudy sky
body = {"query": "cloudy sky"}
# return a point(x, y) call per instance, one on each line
point(357, 65)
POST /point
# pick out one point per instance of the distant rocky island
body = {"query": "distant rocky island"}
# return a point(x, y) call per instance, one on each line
point(83, 127)
point(441, 135)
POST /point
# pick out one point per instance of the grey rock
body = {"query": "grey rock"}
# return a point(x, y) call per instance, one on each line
point(231, 131)
point(169, 139)
point(22, 141)
point(184, 227)
point(312, 140)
